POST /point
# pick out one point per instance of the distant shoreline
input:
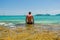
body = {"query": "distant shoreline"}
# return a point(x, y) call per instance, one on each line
point(47, 15)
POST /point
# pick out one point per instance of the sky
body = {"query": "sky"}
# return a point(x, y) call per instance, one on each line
point(22, 7)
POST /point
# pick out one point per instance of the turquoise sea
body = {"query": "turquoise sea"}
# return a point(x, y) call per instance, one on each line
point(37, 19)
point(45, 22)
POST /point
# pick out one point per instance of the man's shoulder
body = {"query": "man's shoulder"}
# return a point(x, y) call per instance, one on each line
point(29, 15)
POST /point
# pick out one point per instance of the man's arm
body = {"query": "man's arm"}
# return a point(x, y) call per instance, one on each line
point(26, 19)
point(33, 19)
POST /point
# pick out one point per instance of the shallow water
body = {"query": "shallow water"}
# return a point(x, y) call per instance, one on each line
point(30, 32)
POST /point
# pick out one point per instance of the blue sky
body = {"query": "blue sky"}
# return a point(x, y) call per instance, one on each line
point(22, 7)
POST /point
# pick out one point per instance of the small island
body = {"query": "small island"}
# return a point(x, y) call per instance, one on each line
point(57, 14)
point(42, 15)
point(47, 15)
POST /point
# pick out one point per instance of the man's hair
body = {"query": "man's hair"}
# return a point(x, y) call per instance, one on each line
point(29, 12)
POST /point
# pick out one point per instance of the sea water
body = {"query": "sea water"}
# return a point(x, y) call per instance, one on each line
point(37, 19)
point(16, 21)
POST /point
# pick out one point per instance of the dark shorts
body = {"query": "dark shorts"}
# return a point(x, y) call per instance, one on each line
point(29, 22)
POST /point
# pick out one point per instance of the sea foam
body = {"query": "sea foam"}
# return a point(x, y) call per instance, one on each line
point(7, 24)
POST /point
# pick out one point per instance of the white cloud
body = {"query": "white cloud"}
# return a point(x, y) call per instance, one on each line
point(24, 12)
point(47, 11)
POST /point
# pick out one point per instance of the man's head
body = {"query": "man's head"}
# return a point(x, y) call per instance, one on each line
point(29, 13)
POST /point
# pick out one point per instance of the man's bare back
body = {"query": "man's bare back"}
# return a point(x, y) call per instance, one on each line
point(29, 18)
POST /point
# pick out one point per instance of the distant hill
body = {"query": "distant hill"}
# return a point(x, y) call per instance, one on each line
point(57, 14)
point(42, 15)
